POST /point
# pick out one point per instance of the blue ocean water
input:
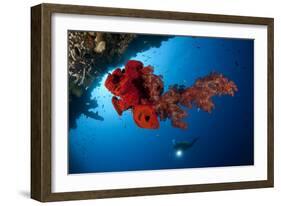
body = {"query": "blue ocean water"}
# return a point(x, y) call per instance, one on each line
point(224, 137)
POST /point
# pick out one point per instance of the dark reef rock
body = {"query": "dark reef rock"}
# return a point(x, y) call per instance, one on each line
point(90, 55)
point(84, 105)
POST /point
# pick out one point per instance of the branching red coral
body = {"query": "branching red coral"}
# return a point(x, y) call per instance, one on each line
point(138, 88)
point(205, 88)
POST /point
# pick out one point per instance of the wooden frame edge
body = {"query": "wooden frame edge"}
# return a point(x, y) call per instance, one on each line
point(157, 14)
point(270, 100)
point(36, 32)
point(84, 195)
point(41, 101)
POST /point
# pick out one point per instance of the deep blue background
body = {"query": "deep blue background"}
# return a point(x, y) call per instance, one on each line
point(225, 137)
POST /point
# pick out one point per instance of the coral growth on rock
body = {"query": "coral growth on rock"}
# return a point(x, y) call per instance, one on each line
point(136, 87)
point(90, 55)
point(88, 52)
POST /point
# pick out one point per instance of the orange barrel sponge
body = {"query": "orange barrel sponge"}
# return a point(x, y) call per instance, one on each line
point(145, 117)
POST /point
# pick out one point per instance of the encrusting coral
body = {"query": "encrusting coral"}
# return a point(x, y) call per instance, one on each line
point(90, 55)
point(88, 52)
point(136, 87)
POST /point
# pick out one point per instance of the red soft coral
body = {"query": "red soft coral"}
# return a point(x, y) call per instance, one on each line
point(136, 87)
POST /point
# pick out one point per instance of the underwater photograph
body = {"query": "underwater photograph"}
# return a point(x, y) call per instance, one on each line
point(150, 102)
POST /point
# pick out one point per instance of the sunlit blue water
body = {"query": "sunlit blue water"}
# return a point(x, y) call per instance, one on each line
point(225, 137)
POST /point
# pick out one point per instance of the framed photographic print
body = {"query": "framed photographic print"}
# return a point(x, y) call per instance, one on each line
point(132, 102)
